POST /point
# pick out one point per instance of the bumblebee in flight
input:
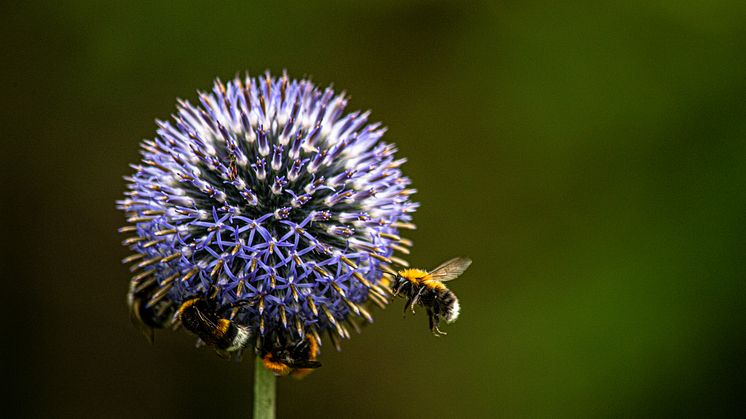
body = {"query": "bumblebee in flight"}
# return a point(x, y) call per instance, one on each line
point(200, 317)
point(428, 290)
point(297, 360)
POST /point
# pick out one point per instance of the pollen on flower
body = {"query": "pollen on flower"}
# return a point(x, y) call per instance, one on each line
point(271, 202)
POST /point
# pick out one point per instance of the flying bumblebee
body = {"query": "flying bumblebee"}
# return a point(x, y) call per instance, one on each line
point(145, 315)
point(297, 360)
point(199, 316)
point(427, 289)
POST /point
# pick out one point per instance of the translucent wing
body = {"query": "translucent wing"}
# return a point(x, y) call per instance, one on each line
point(206, 319)
point(450, 269)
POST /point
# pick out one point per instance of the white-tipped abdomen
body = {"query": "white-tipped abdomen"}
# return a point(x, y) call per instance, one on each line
point(241, 339)
point(453, 313)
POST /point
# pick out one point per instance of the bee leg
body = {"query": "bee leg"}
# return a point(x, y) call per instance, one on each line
point(397, 288)
point(435, 323)
point(431, 320)
point(416, 298)
point(410, 303)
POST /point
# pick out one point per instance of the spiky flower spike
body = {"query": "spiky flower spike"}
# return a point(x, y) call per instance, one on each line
point(273, 203)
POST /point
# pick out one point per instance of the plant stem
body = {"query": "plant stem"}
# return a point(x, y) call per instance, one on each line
point(264, 392)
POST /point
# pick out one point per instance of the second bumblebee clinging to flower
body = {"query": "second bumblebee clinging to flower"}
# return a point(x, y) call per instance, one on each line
point(200, 316)
point(428, 290)
point(294, 359)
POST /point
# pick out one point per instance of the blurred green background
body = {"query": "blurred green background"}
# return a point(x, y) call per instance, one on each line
point(590, 158)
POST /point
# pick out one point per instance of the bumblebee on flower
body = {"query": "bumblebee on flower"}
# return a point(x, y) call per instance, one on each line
point(263, 218)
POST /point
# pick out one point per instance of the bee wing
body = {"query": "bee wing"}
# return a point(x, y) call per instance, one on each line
point(206, 319)
point(450, 269)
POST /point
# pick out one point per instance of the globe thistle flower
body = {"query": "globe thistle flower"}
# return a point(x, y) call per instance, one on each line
point(273, 203)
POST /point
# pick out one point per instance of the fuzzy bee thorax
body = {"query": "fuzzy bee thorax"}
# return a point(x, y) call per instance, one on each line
point(414, 276)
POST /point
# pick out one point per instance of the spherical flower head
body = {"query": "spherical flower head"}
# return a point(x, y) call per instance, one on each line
point(271, 201)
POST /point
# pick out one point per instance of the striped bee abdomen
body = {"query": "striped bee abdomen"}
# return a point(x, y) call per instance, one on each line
point(449, 306)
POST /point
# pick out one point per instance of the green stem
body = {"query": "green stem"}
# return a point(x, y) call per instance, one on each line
point(264, 392)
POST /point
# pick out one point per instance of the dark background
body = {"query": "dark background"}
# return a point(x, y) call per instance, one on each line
point(590, 158)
